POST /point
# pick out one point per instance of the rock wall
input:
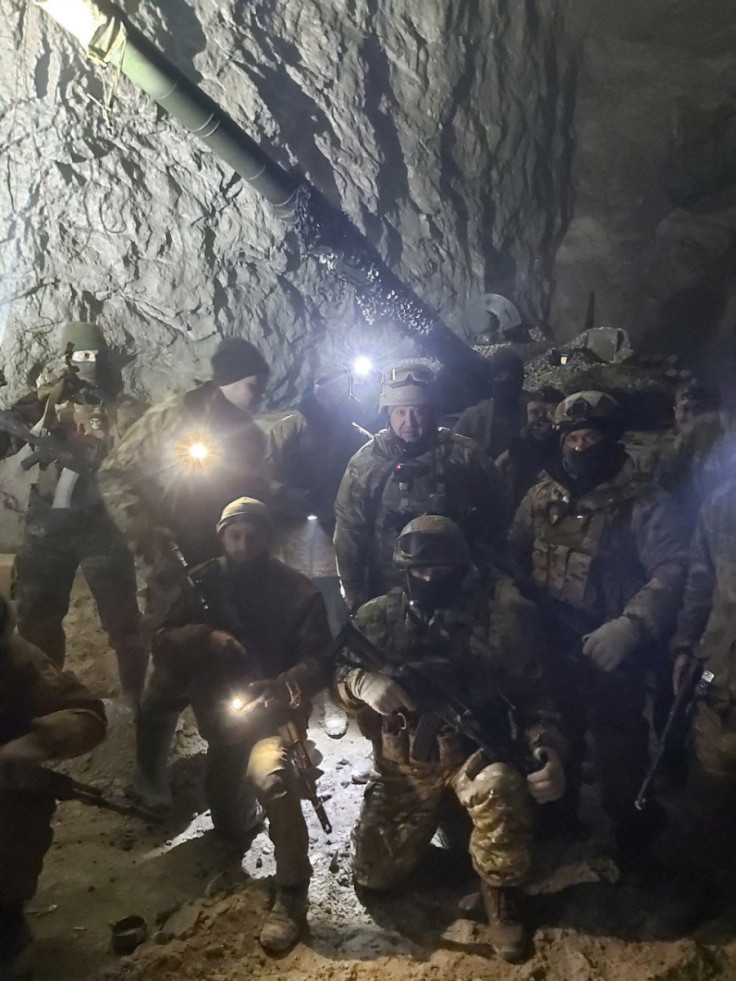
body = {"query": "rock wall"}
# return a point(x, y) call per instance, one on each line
point(442, 129)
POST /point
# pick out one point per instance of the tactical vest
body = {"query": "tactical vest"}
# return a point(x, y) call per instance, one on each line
point(584, 553)
point(430, 484)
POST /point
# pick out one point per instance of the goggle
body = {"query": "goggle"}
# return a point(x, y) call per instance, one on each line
point(411, 375)
point(421, 549)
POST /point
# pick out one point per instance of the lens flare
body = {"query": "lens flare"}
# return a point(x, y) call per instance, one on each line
point(199, 451)
point(362, 366)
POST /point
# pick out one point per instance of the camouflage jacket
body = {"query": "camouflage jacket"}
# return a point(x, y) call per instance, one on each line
point(619, 549)
point(276, 613)
point(707, 620)
point(383, 489)
point(35, 696)
point(492, 430)
point(84, 423)
point(150, 479)
point(695, 464)
point(493, 642)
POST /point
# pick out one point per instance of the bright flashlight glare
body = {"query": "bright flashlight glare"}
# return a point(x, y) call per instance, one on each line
point(198, 451)
point(564, 359)
point(237, 704)
point(311, 517)
point(362, 366)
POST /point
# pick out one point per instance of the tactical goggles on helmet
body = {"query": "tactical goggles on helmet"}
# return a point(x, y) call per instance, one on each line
point(409, 375)
point(421, 549)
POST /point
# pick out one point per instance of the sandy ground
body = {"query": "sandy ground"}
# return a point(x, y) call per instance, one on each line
point(207, 908)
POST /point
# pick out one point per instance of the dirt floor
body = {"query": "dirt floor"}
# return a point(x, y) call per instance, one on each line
point(204, 910)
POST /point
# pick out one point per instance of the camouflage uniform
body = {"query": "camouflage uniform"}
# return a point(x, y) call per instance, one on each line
point(67, 528)
point(695, 464)
point(492, 650)
point(492, 430)
point(150, 480)
point(36, 697)
point(384, 487)
point(617, 550)
point(284, 631)
point(707, 624)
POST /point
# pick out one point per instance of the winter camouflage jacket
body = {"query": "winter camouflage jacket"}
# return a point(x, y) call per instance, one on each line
point(619, 549)
point(492, 641)
point(73, 413)
point(384, 488)
point(707, 621)
point(150, 480)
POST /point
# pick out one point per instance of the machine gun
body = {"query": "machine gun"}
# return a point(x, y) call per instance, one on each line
point(429, 681)
point(49, 447)
point(41, 780)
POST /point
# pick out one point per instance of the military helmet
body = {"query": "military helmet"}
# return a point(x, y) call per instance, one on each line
point(83, 336)
point(408, 383)
point(431, 539)
point(243, 509)
point(589, 410)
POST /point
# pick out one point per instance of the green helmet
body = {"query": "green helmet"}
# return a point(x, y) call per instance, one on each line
point(83, 336)
point(243, 509)
point(431, 539)
point(589, 410)
point(408, 383)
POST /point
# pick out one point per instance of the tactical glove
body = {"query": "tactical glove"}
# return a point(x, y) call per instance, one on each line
point(379, 691)
point(548, 784)
point(611, 643)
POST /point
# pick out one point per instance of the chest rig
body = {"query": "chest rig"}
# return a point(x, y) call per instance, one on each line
point(577, 555)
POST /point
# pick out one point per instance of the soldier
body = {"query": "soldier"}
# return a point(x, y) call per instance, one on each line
point(413, 467)
point(66, 525)
point(535, 448)
point(483, 643)
point(44, 715)
point(264, 632)
point(607, 559)
point(496, 421)
point(707, 631)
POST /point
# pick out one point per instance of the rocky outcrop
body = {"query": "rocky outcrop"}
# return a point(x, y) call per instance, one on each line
point(443, 130)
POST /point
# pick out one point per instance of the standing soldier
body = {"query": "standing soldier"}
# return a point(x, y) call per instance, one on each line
point(66, 525)
point(261, 631)
point(535, 448)
point(496, 421)
point(44, 715)
point(707, 631)
point(413, 467)
point(480, 644)
point(187, 457)
point(607, 557)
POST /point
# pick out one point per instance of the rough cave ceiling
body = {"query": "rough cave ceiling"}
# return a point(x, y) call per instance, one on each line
point(544, 149)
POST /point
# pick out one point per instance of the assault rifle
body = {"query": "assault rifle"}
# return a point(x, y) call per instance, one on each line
point(695, 685)
point(48, 448)
point(429, 681)
point(41, 780)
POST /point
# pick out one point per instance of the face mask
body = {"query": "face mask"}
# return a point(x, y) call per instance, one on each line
point(587, 464)
point(437, 593)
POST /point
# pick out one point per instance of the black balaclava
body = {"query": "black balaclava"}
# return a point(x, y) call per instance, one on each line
point(507, 378)
point(593, 466)
point(435, 594)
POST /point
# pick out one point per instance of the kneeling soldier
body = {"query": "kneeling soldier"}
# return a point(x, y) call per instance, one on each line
point(251, 633)
point(446, 632)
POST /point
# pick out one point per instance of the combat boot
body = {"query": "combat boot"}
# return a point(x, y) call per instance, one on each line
point(285, 923)
point(150, 776)
point(508, 935)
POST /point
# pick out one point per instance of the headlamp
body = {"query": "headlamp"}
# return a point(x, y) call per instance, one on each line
point(362, 366)
point(198, 451)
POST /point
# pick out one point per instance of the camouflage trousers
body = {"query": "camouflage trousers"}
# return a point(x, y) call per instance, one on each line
point(46, 566)
point(241, 775)
point(25, 837)
point(714, 745)
point(400, 814)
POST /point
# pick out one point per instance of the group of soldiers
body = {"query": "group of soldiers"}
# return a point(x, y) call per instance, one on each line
point(500, 592)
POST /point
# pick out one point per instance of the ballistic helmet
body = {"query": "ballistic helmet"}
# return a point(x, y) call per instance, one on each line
point(408, 383)
point(430, 540)
point(82, 336)
point(590, 410)
point(243, 509)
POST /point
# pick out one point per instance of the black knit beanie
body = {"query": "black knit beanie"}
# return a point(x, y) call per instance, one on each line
point(236, 358)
